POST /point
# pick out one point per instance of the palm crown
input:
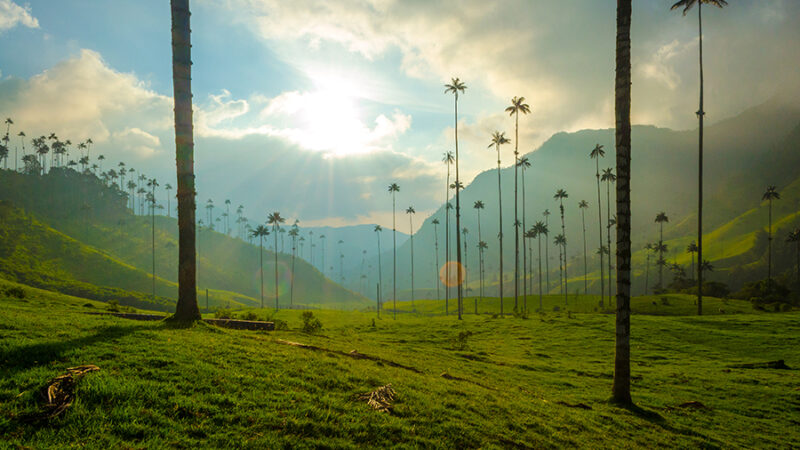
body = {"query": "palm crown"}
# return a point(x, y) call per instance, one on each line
point(499, 138)
point(662, 217)
point(455, 87)
point(560, 194)
point(688, 4)
point(448, 158)
point(608, 175)
point(583, 204)
point(259, 231)
point(394, 187)
point(478, 204)
point(771, 194)
point(597, 152)
point(518, 105)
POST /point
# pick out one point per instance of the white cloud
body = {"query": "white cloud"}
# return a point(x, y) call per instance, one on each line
point(139, 142)
point(12, 15)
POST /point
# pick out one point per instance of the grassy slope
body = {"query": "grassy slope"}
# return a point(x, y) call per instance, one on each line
point(162, 387)
point(35, 254)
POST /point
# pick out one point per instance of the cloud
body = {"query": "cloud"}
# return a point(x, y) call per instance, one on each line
point(81, 98)
point(12, 15)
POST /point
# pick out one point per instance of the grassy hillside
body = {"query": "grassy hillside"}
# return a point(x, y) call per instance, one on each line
point(82, 208)
point(541, 382)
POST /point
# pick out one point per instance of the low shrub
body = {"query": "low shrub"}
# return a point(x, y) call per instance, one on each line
point(311, 324)
point(16, 292)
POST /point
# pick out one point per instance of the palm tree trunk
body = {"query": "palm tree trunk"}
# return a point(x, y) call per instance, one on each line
point(436, 253)
point(608, 235)
point(275, 233)
point(769, 250)
point(394, 260)
point(480, 259)
point(447, 244)
point(380, 275)
point(458, 223)
point(516, 218)
point(585, 263)
point(186, 308)
point(647, 273)
point(500, 215)
point(540, 272)
point(291, 287)
point(547, 254)
point(524, 249)
point(700, 114)
point(261, 266)
point(411, 225)
point(600, 231)
point(564, 233)
point(153, 240)
point(621, 392)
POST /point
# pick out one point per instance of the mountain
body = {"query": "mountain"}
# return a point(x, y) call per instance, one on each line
point(82, 210)
point(743, 154)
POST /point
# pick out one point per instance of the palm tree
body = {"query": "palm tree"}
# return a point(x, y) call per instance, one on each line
point(546, 214)
point(687, 5)
point(410, 211)
point(583, 204)
point(455, 87)
point(435, 223)
point(596, 154)
point(448, 159)
point(648, 248)
point(661, 219)
point(498, 139)
point(525, 164)
point(794, 236)
point(378, 230)
point(168, 187)
point(560, 242)
point(393, 189)
point(609, 177)
point(275, 220)
point(464, 233)
point(621, 388)
point(528, 235)
point(770, 195)
point(482, 246)
point(518, 105)
point(152, 184)
point(541, 229)
point(21, 135)
point(560, 196)
point(187, 308)
point(210, 212)
point(260, 231)
point(706, 266)
point(692, 249)
point(293, 233)
point(227, 215)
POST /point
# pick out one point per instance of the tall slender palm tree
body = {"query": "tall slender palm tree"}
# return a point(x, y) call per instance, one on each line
point(583, 204)
point(393, 189)
point(464, 232)
point(541, 230)
point(692, 249)
point(560, 195)
point(647, 248)
point(770, 195)
point(661, 219)
point(152, 184)
point(21, 135)
point(560, 242)
point(546, 214)
point(478, 205)
point(524, 163)
point(621, 392)
point(410, 211)
point(168, 187)
point(435, 223)
point(455, 87)
point(323, 239)
point(499, 139)
point(378, 230)
point(609, 177)
point(596, 154)
point(482, 246)
point(293, 233)
point(260, 231)
point(794, 237)
point(527, 236)
point(518, 105)
point(186, 308)
point(448, 159)
point(275, 220)
point(687, 5)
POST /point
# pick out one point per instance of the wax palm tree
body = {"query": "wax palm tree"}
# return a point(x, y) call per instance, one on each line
point(560, 242)
point(464, 232)
point(770, 195)
point(692, 249)
point(275, 220)
point(435, 223)
point(393, 189)
point(21, 135)
point(447, 159)
point(661, 219)
point(527, 236)
point(583, 204)
point(260, 231)
point(609, 177)
point(482, 246)
point(152, 184)
point(560, 195)
point(621, 392)
point(455, 87)
point(499, 139)
point(378, 230)
point(210, 212)
point(687, 5)
point(518, 105)
point(168, 187)
point(541, 229)
point(293, 233)
point(227, 215)
point(706, 266)
point(596, 154)
point(794, 237)
point(524, 163)
point(546, 214)
point(478, 205)
point(410, 211)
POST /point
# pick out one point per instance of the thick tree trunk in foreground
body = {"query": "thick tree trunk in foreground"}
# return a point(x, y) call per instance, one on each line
point(621, 391)
point(187, 308)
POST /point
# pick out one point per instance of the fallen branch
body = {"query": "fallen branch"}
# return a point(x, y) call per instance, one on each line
point(59, 393)
point(380, 399)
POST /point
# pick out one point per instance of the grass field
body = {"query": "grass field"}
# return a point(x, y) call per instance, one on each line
point(511, 382)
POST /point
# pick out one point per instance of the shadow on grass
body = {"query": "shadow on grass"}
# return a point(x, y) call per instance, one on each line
point(25, 357)
point(657, 419)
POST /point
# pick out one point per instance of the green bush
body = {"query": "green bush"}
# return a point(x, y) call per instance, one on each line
point(223, 313)
point(281, 325)
point(249, 315)
point(310, 323)
point(112, 305)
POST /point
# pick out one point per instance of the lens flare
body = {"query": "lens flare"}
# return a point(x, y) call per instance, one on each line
point(284, 280)
point(452, 274)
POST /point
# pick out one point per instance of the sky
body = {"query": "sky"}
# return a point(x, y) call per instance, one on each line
point(313, 107)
